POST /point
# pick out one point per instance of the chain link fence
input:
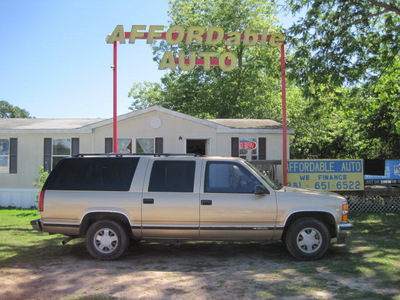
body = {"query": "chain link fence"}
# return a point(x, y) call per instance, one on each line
point(375, 200)
point(374, 204)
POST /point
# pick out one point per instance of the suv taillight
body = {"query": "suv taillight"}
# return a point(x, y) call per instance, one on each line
point(41, 200)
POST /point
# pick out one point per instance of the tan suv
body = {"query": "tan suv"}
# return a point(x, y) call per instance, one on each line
point(110, 199)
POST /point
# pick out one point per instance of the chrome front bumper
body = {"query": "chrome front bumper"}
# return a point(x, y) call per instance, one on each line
point(344, 230)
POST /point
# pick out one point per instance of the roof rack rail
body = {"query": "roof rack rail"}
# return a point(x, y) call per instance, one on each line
point(137, 154)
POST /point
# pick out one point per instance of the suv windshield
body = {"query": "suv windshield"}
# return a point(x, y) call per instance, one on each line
point(265, 178)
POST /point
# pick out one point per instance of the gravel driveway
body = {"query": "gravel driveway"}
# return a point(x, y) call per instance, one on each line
point(184, 271)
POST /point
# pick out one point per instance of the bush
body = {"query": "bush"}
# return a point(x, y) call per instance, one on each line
point(40, 180)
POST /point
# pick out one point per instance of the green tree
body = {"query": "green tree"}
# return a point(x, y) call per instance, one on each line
point(381, 111)
point(344, 41)
point(326, 123)
point(145, 94)
point(348, 48)
point(9, 111)
point(245, 92)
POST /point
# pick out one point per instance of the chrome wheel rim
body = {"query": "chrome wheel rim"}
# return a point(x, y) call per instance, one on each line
point(105, 240)
point(309, 240)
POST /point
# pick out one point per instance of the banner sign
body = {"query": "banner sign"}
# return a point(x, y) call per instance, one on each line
point(392, 174)
point(326, 174)
point(196, 35)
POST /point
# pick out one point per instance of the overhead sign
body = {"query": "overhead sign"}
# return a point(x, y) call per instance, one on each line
point(326, 174)
point(196, 35)
point(214, 36)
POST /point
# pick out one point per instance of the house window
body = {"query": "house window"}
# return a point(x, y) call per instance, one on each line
point(140, 145)
point(248, 148)
point(4, 155)
point(61, 149)
point(124, 145)
point(56, 149)
point(144, 145)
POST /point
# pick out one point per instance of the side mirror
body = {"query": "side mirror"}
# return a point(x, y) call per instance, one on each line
point(260, 190)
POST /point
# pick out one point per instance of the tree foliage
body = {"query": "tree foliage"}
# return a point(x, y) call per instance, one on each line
point(39, 181)
point(326, 123)
point(351, 49)
point(145, 94)
point(9, 111)
point(348, 122)
point(381, 114)
point(344, 41)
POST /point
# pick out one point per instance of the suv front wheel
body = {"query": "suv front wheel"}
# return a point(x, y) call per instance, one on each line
point(106, 240)
point(307, 239)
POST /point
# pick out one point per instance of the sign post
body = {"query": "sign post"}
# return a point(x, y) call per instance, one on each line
point(284, 129)
point(115, 115)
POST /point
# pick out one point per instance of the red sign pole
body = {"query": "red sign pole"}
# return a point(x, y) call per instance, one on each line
point(284, 129)
point(115, 120)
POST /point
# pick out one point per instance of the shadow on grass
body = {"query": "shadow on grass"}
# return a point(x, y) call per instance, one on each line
point(39, 248)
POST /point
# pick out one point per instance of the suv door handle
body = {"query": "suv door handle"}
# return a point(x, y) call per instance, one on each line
point(148, 201)
point(206, 202)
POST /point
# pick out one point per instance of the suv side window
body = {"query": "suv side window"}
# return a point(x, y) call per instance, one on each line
point(172, 176)
point(228, 177)
point(92, 174)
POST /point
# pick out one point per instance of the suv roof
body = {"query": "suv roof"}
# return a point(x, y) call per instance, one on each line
point(186, 155)
point(135, 154)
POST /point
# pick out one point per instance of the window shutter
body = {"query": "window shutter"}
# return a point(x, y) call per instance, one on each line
point(47, 155)
point(75, 146)
point(159, 145)
point(235, 147)
point(109, 145)
point(262, 148)
point(13, 155)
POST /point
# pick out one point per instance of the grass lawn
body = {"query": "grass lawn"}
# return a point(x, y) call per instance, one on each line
point(372, 253)
point(19, 243)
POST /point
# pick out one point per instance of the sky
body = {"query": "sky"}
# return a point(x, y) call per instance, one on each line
point(55, 62)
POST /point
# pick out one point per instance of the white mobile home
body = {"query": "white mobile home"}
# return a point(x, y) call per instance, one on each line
point(27, 144)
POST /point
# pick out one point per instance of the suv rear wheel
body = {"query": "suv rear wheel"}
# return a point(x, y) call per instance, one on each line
point(106, 240)
point(307, 239)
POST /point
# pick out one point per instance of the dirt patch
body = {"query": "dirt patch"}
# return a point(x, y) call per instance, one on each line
point(182, 271)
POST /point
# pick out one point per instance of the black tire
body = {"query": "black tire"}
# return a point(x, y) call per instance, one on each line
point(106, 240)
point(307, 239)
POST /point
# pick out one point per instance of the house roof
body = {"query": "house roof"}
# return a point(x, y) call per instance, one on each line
point(87, 125)
point(248, 123)
point(43, 124)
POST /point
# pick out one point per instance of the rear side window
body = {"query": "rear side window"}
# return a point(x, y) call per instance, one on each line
point(172, 176)
point(93, 174)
